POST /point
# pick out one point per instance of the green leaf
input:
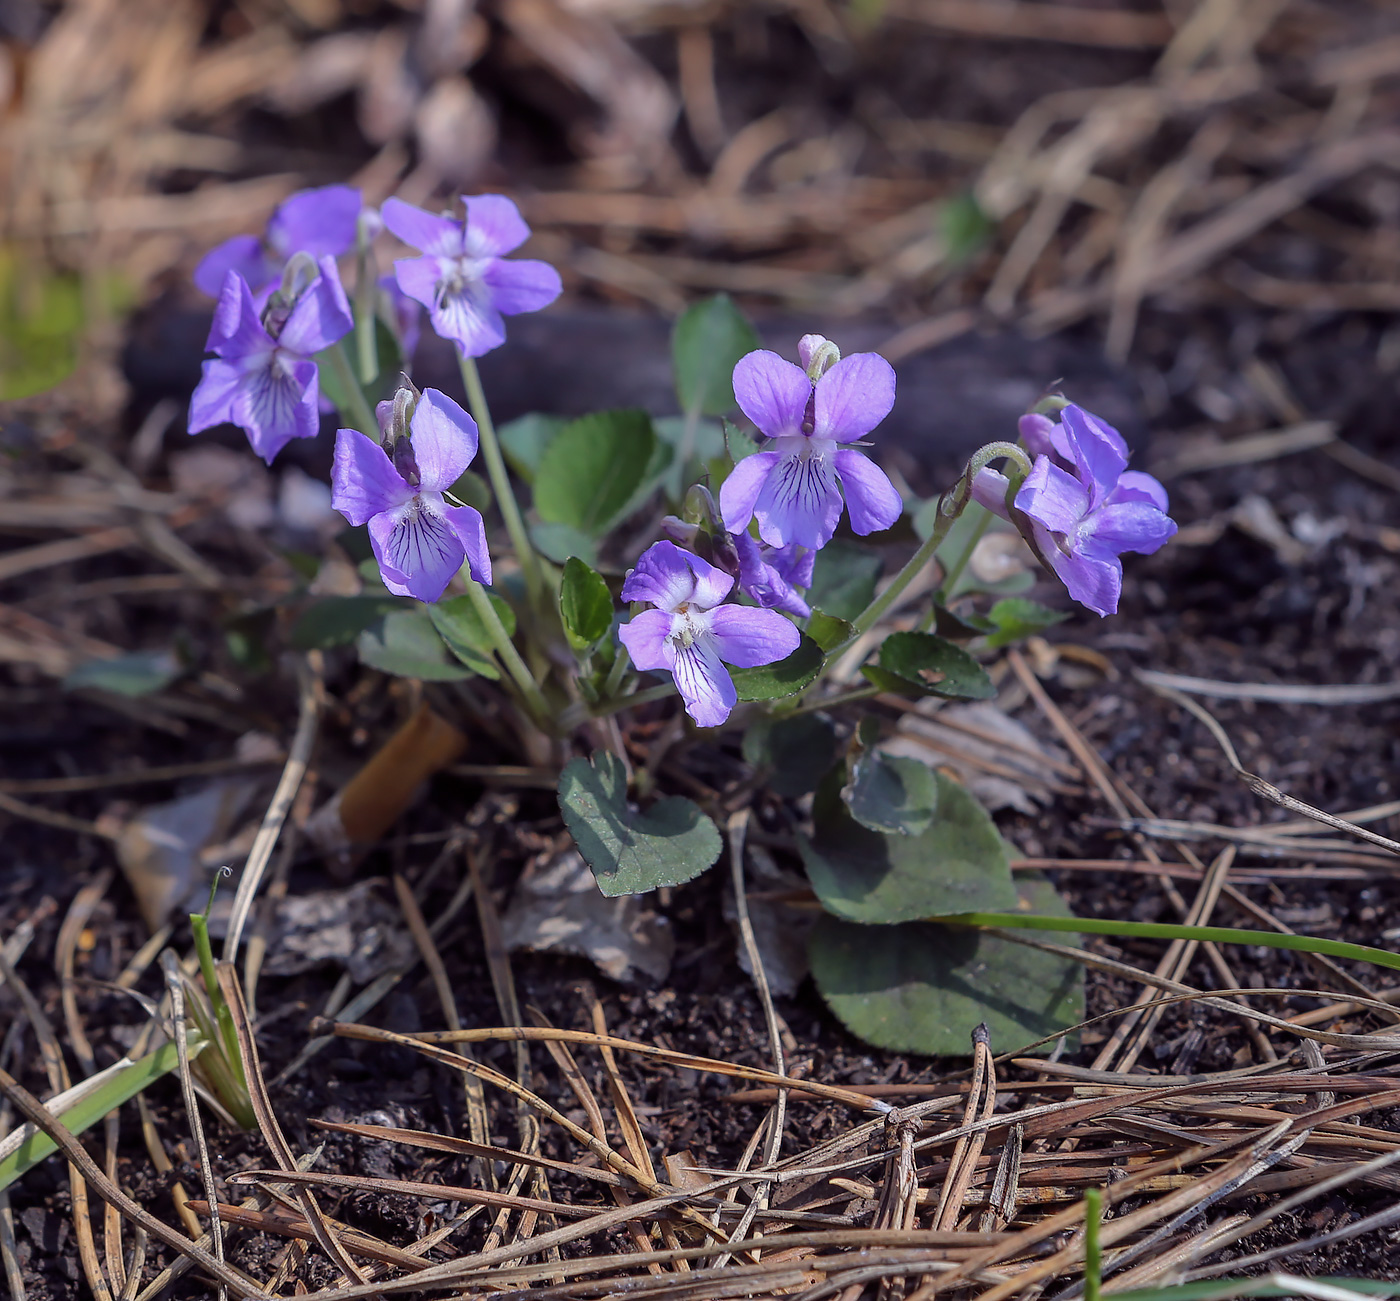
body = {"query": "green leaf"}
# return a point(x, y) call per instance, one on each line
point(631, 852)
point(121, 1086)
point(592, 473)
point(795, 751)
point(843, 579)
point(460, 626)
point(924, 988)
point(1015, 618)
point(965, 228)
point(785, 678)
point(864, 876)
point(383, 386)
point(524, 440)
point(585, 604)
point(406, 644)
point(338, 620)
point(137, 674)
point(920, 664)
point(890, 794)
point(41, 323)
point(708, 441)
point(960, 627)
point(472, 490)
point(706, 344)
point(828, 632)
point(557, 542)
point(738, 443)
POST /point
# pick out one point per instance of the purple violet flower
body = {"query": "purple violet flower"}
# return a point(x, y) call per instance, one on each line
point(1084, 507)
point(463, 278)
point(770, 576)
point(794, 486)
point(693, 635)
point(263, 378)
point(322, 222)
point(418, 539)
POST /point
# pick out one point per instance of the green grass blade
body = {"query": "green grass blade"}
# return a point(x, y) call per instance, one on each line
point(88, 1110)
point(1225, 1289)
point(1166, 931)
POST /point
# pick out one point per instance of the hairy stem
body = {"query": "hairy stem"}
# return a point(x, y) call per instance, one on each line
point(361, 414)
point(510, 657)
point(500, 485)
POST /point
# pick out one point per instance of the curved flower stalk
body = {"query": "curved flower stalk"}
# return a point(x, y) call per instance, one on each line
point(794, 486)
point(463, 278)
point(263, 379)
point(1080, 507)
point(398, 489)
point(323, 222)
point(693, 635)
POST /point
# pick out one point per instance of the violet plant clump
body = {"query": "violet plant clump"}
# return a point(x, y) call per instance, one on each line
point(731, 615)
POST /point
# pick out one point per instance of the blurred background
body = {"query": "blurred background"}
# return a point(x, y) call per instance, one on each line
point(1190, 208)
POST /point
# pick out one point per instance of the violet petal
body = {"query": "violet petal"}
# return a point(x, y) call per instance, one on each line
point(1052, 497)
point(704, 683)
point(799, 502)
point(322, 222)
point(746, 637)
point(321, 316)
point(740, 490)
point(444, 440)
point(417, 550)
point(873, 501)
point(853, 397)
point(426, 231)
point(645, 638)
point(522, 285)
point(470, 528)
point(494, 225)
point(244, 254)
point(364, 482)
point(772, 392)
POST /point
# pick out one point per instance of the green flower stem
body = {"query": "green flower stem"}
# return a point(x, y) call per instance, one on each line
point(621, 661)
point(510, 657)
point(836, 701)
point(1166, 931)
point(366, 296)
point(873, 612)
point(500, 485)
point(577, 714)
point(955, 570)
point(950, 507)
point(360, 413)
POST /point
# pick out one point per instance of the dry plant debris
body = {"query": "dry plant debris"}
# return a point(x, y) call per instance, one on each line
point(124, 142)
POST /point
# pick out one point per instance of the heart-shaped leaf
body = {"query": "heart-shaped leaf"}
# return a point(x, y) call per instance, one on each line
point(924, 988)
point(920, 664)
point(524, 439)
point(585, 604)
point(843, 578)
point(460, 626)
point(892, 795)
point(1015, 618)
point(406, 644)
point(795, 752)
point(707, 342)
point(338, 620)
point(828, 632)
point(784, 678)
point(632, 852)
point(865, 876)
point(595, 469)
point(136, 674)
